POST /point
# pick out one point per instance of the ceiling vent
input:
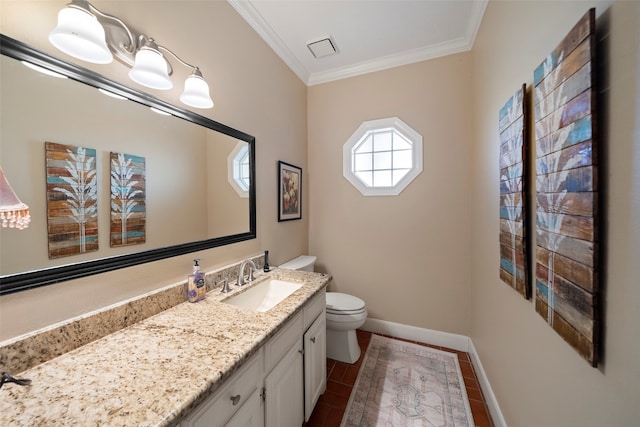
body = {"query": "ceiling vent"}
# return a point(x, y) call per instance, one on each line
point(322, 47)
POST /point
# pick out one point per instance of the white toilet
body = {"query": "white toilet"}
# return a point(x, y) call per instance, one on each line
point(303, 263)
point(345, 314)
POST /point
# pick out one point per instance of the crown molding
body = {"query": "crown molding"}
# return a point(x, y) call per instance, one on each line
point(391, 61)
point(250, 14)
point(257, 22)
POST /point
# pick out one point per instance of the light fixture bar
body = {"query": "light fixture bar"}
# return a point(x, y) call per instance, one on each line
point(81, 34)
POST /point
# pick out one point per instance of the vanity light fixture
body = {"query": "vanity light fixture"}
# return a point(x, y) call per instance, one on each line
point(13, 213)
point(159, 111)
point(86, 33)
point(43, 70)
point(111, 94)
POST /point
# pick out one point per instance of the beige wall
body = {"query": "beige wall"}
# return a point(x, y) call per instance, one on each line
point(407, 256)
point(228, 211)
point(38, 108)
point(538, 379)
point(429, 256)
point(254, 91)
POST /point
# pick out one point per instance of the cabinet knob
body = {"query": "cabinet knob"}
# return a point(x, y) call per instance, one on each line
point(235, 399)
point(313, 340)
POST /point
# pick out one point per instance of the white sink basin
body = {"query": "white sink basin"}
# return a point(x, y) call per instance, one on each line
point(264, 296)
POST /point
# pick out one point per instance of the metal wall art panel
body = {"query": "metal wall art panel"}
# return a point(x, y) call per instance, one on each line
point(514, 269)
point(567, 195)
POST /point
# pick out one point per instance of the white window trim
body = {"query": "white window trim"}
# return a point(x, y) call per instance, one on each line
point(231, 166)
point(388, 123)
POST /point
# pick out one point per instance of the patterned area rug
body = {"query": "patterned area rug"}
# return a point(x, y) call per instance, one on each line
point(404, 384)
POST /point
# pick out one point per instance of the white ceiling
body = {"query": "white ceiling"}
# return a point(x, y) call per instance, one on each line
point(370, 35)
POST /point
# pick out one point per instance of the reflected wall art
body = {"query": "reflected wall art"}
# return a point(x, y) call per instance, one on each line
point(72, 200)
point(128, 208)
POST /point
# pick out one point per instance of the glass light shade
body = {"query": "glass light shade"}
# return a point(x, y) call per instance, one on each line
point(196, 92)
point(80, 35)
point(43, 70)
point(150, 69)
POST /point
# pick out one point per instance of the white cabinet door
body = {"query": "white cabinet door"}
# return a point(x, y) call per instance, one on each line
point(216, 410)
point(251, 414)
point(284, 402)
point(315, 363)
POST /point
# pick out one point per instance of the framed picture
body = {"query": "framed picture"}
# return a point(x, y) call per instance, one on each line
point(289, 192)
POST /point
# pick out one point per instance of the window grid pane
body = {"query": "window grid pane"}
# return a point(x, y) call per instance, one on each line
point(366, 177)
point(383, 141)
point(400, 142)
point(398, 174)
point(402, 159)
point(382, 178)
point(382, 158)
point(362, 162)
point(241, 169)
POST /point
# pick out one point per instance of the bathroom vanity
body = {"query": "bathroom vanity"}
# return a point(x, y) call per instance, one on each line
point(289, 367)
point(209, 363)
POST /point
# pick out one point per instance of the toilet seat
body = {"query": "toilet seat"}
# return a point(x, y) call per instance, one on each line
point(339, 303)
point(346, 312)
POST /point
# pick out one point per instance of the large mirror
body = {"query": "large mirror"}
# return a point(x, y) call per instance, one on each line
point(195, 185)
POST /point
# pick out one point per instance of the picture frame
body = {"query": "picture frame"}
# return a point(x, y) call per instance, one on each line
point(289, 192)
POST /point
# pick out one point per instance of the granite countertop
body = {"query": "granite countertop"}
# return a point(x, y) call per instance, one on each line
point(154, 372)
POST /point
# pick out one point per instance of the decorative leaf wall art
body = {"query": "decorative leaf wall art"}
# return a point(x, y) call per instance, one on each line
point(514, 269)
point(128, 207)
point(72, 200)
point(566, 183)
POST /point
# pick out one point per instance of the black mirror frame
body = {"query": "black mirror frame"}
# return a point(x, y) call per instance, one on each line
point(33, 279)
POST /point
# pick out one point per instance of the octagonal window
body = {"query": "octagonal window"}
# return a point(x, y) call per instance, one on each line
point(382, 157)
point(238, 169)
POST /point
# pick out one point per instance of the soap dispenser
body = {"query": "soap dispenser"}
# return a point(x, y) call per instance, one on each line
point(266, 262)
point(196, 289)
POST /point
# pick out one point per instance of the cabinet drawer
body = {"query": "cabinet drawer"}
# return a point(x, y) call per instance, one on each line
point(313, 308)
point(234, 393)
point(278, 346)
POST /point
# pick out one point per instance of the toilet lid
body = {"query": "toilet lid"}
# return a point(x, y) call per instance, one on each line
point(341, 303)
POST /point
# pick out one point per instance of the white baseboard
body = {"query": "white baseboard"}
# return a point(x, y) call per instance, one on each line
point(490, 398)
point(443, 339)
point(430, 336)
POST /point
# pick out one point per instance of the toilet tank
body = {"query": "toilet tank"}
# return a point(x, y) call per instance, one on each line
point(303, 262)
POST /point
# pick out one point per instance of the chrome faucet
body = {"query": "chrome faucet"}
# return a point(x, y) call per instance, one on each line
point(252, 268)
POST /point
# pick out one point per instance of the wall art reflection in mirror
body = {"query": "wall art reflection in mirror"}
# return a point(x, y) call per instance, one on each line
point(128, 207)
point(159, 163)
point(72, 200)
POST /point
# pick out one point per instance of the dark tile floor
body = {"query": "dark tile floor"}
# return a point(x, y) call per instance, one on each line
point(341, 378)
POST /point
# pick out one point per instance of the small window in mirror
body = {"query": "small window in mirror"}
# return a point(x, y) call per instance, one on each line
point(238, 169)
